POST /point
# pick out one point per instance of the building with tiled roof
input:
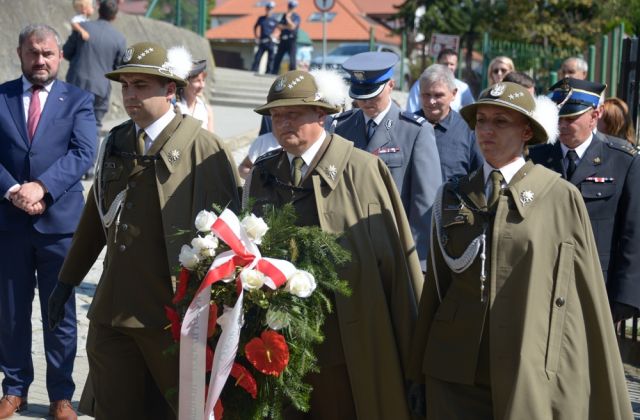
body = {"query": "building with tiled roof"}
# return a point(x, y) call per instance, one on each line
point(231, 33)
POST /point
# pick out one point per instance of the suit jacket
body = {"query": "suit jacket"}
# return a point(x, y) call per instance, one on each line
point(61, 151)
point(608, 176)
point(553, 352)
point(408, 147)
point(90, 60)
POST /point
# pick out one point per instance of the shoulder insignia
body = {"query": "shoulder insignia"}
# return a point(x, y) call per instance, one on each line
point(625, 146)
point(345, 114)
point(269, 155)
point(416, 119)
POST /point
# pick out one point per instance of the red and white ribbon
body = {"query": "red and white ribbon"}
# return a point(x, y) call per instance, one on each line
point(193, 335)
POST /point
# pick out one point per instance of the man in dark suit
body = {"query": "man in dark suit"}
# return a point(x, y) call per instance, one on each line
point(607, 173)
point(401, 139)
point(47, 129)
point(101, 53)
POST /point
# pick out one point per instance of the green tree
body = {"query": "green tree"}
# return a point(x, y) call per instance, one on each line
point(183, 13)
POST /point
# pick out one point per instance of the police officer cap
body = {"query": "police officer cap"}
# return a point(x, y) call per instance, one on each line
point(150, 58)
point(292, 3)
point(270, 5)
point(197, 67)
point(576, 96)
point(369, 72)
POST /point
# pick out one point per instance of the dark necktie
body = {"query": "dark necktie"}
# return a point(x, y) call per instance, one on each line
point(572, 156)
point(371, 129)
point(297, 170)
point(34, 111)
point(140, 142)
point(496, 184)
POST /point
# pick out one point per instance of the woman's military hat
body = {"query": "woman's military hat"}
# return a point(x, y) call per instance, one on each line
point(153, 59)
point(322, 88)
point(575, 96)
point(369, 72)
point(541, 111)
point(197, 67)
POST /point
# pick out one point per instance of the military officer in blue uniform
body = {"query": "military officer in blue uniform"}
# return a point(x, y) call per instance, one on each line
point(607, 173)
point(401, 139)
point(267, 24)
point(288, 25)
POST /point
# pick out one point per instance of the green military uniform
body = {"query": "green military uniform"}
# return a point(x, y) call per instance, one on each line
point(537, 341)
point(350, 192)
point(186, 170)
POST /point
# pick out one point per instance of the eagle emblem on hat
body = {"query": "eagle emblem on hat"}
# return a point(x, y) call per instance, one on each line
point(127, 55)
point(280, 84)
point(359, 75)
point(498, 89)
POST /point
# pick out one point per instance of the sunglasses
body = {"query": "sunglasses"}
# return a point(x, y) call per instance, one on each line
point(496, 71)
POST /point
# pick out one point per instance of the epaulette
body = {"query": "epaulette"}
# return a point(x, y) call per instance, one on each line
point(344, 114)
point(416, 119)
point(269, 155)
point(624, 147)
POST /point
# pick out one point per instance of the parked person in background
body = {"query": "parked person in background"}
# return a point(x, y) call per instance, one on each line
point(616, 121)
point(267, 24)
point(84, 10)
point(449, 58)
point(523, 79)
point(191, 99)
point(607, 173)
point(459, 153)
point(289, 25)
point(499, 67)
point(514, 320)
point(48, 134)
point(574, 67)
point(404, 141)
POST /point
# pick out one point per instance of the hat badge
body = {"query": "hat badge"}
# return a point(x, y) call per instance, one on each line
point(127, 55)
point(280, 84)
point(498, 89)
point(359, 75)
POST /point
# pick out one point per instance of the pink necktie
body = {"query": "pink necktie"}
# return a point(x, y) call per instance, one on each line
point(34, 111)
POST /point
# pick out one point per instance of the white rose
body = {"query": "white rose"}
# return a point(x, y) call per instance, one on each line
point(204, 220)
point(255, 228)
point(301, 283)
point(277, 320)
point(252, 279)
point(205, 246)
point(188, 257)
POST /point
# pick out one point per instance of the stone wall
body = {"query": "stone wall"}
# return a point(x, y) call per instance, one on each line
point(57, 13)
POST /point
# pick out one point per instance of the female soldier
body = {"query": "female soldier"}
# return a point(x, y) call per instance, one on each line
point(514, 321)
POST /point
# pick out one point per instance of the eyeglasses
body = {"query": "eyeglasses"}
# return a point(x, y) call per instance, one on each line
point(498, 70)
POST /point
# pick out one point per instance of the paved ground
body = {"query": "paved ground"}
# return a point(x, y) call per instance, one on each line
point(237, 126)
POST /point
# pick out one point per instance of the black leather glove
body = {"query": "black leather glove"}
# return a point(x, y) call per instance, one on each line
point(622, 311)
point(416, 396)
point(59, 296)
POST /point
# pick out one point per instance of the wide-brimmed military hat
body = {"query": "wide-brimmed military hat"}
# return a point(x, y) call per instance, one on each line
point(576, 96)
point(298, 87)
point(369, 72)
point(543, 116)
point(153, 59)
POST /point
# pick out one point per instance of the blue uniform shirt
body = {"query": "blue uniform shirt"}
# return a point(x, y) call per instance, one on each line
point(290, 33)
point(457, 147)
point(267, 25)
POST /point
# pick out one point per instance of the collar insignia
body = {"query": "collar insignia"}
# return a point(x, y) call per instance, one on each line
point(597, 161)
point(174, 156)
point(332, 171)
point(526, 197)
point(388, 124)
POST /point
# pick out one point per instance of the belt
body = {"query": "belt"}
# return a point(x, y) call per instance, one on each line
point(286, 37)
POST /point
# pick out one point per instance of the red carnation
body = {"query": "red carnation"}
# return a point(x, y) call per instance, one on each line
point(213, 319)
point(172, 315)
point(244, 379)
point(209, 358)
point(181, 287)
point(269, 353)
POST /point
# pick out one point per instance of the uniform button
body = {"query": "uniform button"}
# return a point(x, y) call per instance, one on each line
point(129, 205)
point(599, 194)
point(122, 248)
point(124, 226)
point(132, 184)
point(560, 302)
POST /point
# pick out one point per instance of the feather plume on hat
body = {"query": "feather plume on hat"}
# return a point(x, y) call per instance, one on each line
point(179, 61)
point(546, 114)
point(331, 87)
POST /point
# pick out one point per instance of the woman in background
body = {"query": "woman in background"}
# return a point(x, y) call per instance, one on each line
point(615, 120)
point(499, 67)
point(190, 100)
